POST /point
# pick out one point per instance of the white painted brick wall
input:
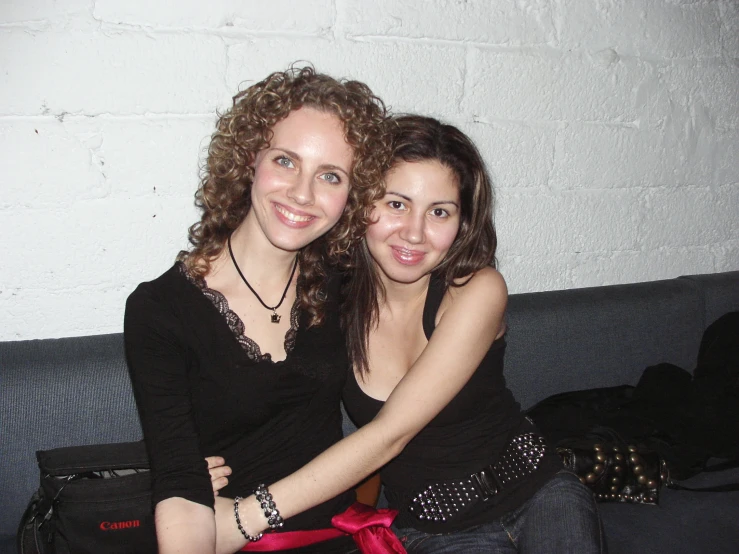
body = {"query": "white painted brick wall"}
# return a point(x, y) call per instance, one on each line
point(611, 130)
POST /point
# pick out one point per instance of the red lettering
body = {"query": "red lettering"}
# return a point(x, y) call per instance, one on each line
point(116, 525)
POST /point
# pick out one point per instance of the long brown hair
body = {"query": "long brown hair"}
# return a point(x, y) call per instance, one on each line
point(224, 194)
point(415, 139)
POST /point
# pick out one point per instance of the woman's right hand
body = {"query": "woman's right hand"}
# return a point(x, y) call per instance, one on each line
point(218, 473)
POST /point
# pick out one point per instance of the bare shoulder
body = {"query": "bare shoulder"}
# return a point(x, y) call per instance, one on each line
point(484, 293)
point(486, 285)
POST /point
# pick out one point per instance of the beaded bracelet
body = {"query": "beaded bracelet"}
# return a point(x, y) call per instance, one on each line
point(247, 536)
point(274, 519)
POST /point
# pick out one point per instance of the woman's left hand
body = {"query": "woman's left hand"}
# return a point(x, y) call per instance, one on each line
point(218, 473)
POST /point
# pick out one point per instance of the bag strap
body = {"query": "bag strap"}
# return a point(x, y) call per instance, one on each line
point(730, 464)
point(718, 488)
point(28, 539)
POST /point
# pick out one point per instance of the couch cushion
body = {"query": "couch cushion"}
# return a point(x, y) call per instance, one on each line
point(55, 393)
point(684, 522)
point(7, 544)
point(720, 292)
point(599, 337)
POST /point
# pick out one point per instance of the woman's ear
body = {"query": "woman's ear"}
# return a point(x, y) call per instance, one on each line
point(373, 215)
point(251, 161)
point(251, 164)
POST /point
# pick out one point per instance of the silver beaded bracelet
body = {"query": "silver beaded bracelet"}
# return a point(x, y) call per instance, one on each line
point(274, 519)
point(247, 536)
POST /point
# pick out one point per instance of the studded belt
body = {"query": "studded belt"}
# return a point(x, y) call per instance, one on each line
point(447, 500)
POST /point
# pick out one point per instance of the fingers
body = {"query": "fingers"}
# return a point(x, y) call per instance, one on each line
point(214, 461)
point(218, 472)
point(218, 484)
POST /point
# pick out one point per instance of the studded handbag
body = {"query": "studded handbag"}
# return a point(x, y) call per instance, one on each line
point(615, 471)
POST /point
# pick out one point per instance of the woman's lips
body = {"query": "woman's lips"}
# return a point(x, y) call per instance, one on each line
point(292, 218)
point(407, 257)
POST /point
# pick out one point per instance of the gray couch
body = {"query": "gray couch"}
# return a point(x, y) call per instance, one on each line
point(76, 391)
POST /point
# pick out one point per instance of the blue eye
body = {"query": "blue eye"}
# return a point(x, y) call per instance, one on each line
point(332, 178)
point(284, 161)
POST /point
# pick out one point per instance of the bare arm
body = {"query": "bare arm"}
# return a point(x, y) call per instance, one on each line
point(467, 328)
point(184, 527)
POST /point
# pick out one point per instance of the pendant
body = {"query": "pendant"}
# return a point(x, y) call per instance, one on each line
point(275, 318)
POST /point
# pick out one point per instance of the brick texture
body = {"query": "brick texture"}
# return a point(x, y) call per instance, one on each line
point(610, 129)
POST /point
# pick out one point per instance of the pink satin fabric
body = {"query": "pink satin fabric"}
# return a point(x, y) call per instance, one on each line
point(272, 542)
point(369, 529)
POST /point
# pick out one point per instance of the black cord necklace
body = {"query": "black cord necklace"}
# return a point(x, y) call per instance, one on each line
point(275, 318)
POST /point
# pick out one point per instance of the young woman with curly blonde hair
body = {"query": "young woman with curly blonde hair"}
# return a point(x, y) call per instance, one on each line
point(236, 351)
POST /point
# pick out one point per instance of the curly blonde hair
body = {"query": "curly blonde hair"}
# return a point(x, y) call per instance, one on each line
point(224, 194)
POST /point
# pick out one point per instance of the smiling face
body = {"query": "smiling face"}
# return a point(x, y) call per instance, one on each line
point(301, 181)
point(416, 222)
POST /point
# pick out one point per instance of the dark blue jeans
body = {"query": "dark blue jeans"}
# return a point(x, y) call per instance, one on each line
point(561, 517)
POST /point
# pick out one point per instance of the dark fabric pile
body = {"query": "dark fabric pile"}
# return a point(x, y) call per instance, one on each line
point(688, 419)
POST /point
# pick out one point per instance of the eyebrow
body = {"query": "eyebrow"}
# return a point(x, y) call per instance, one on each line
point(409, 199)
point(299, 158)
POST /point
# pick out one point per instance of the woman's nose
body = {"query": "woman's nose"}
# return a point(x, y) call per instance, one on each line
point(413, 229)
point(301, 190)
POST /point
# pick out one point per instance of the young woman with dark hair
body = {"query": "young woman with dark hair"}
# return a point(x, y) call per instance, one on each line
point(427, 342)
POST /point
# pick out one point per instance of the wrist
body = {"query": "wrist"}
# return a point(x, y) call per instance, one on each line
point(246, 519)
point(254, 515)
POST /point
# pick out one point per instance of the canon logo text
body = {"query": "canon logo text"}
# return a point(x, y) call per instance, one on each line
point(117, 525)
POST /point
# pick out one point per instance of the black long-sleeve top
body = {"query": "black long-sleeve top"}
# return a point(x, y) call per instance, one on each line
point(203, 389)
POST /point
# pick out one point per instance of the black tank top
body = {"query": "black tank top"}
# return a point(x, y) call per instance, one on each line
point(467, 435)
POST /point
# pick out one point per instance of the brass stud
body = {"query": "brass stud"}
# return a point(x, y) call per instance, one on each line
point(638, 469)
point(591, 477)
point(642, 479)
point(651, 484)
point(598, 468)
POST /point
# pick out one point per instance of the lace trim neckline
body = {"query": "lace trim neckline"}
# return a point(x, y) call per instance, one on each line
point(234, 321)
